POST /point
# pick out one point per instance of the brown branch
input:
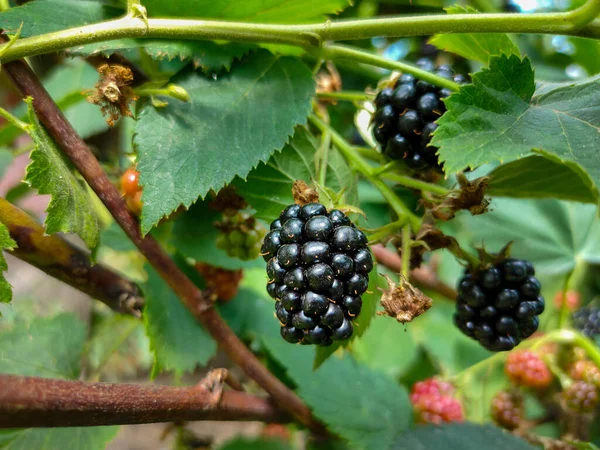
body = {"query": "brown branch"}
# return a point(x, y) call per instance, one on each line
point(42, 402)
point(423, 276)
point(200, 306)
point(62, 260)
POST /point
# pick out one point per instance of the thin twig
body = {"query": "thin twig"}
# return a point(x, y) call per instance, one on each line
point(199, 305)
point(423, 276)
point(42, 402)
point(62, 260)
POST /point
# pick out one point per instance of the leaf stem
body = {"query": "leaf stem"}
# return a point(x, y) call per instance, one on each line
point(405, 268)
point(324, 157)
point(171, 90)
point(365, 169)
point(416, 184)
point(579, 22)
point(14, 121)
point(344, 52)
point(350, 96)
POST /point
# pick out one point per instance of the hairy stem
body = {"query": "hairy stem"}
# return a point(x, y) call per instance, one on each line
point(365, 169)
point(199, 305)
point(62, 260)
point(41, 402)
point(579, 22)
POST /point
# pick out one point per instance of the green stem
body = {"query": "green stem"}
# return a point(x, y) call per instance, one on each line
point(416, 184)
point(14, 121)
point(324, 157)
point(365, 169)
point(571, 337)
point(341, 52)
point(379, 233)
point(171, 90)
point(350, 96)
point(370, 154)
point(579, 22)
point(405, 268)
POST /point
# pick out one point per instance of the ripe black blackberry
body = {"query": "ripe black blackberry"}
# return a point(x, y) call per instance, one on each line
point(318, 266)
point(587, 320)
point(405, 115)
point(499, 306)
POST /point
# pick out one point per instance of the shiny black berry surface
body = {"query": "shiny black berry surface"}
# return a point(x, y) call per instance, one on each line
point(499, 306)
point(587, 320)
point(405, 115)
point(318, 266)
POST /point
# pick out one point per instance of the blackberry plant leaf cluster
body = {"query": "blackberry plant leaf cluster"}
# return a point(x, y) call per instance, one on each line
point(318, 265)
point(405, 117)
point(499, 306)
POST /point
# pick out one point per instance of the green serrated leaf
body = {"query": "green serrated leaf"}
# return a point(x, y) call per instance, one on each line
point(499, 118)
point(370, 301)
point(219, 134)
point(373, 420)
point(76, 438)
point(255, 444)
point(268, 188)
point(543, 175)
point(278, 11)
point(6, 243)
point(194, 235)
point(478, 47)
point(48, 347)
point(71, 209)
point(177, 340)
point(459, 436)
point(46, 16)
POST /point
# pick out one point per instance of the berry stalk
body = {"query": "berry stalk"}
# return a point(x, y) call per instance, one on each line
point(356, 161)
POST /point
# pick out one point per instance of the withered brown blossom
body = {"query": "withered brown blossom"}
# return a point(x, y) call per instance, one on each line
point(113, 92)
point(403, 301)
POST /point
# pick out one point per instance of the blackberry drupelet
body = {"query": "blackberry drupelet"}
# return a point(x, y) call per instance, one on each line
point(318, 265)
point(587, 320)
point(499, 306)
point(405, 115)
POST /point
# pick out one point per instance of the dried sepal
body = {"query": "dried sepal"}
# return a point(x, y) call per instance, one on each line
point(429, 238)
point(403, 301)
point(303, 193)
point(469, 196)
point(113, 92)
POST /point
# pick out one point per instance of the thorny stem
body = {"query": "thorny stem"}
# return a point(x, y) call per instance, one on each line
point(41, 402)
point(60, 259)
point(366, 170)
point(579, 22)
point(194, 299)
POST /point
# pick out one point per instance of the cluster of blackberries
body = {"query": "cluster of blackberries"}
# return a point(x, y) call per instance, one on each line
point(405, 115)
point(499, 306)
point(318, 266)
point(587, 320)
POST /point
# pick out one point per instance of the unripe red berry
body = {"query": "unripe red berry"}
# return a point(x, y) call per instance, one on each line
point(525, 368)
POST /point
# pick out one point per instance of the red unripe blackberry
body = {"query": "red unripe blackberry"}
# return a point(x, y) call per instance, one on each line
point(405, 115)
point(437, 409)
point(318, 266)
point(508, 410)
point(581, 397)
point(584, 370)
point(499, 305)
point(430, 386)
point(525, 368)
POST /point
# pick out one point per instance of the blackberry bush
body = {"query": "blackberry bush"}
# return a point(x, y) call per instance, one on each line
point(499, 305)
point(405, 117)
point(587, 320)
point(318, 266)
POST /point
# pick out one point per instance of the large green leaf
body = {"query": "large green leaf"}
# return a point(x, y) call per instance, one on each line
point(46, 16)
point(231, 124)
point(178, 341)
point(543, 175)
point(499, 118)
point(478, 47)
point(279, 11)
point(553, 234)
point(77, 438)
point(71, 209)
point(460, 436)
point(6, 243)
point(333, 392)
point(268, 188)
point(47, 347)
point(194, 235)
